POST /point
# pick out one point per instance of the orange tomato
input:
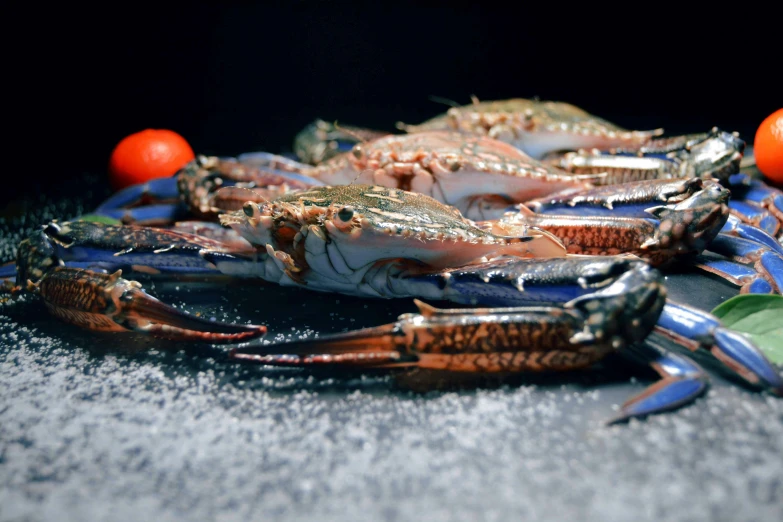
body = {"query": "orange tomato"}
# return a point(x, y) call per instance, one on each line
point(768, 146)
point(146, 155)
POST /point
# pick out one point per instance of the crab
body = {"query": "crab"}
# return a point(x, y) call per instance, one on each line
point(488, 180)
point(569, 138)
point(539, 308)
point(538, 128)
point(563, 266)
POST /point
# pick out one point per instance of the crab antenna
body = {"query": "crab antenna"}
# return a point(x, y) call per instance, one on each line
point(348, 131)
point(445, 101)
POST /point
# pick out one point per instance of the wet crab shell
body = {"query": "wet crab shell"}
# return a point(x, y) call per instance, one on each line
point(536, 127)
point(364, 224)
point(449, 167)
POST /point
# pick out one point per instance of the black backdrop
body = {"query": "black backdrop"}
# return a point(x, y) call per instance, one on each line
point(240, 77)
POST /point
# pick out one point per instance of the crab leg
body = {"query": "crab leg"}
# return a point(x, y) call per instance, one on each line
point(747, 278)
point(735, 227)
point(162, 190)
point(766, 261)
point(621, 169)
point(755, 215)
point(768, 197)
point(682, 382)
point(154, 203)
point(758, 193)
point(699, 330)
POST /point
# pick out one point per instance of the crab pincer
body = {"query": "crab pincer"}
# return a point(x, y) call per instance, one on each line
point(457, 345)
point(85, 295)
point(483, 340)
point(110, 303)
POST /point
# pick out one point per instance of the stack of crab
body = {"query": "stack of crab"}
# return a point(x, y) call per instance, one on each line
point(551, 225)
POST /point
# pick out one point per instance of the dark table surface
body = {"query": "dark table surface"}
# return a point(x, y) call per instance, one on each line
point(122, 427)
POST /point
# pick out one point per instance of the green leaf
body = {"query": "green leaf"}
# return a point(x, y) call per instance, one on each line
point(94, 218)
point(760, 317)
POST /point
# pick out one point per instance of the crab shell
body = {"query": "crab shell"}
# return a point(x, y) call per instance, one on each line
point(536, 127)
point(453, 168)
point(336, 232)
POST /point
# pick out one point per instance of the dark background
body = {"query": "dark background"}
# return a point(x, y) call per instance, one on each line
point(90, 430)
point(239, 77)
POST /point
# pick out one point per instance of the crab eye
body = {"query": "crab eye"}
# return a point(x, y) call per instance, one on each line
point(358, 151)
point(248, 209)
point(345, 214)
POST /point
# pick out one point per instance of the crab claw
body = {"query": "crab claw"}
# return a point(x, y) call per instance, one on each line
point(107, 302)
point(381, 346)
point(462, 341)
